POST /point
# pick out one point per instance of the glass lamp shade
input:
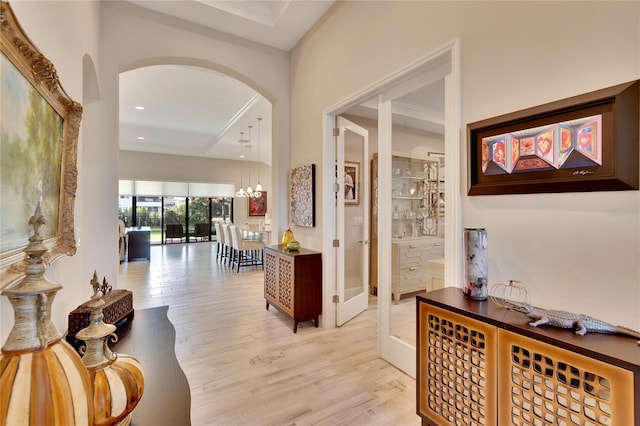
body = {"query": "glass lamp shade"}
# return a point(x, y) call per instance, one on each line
point(258, 187)
point(118, 380)
point(43, 379)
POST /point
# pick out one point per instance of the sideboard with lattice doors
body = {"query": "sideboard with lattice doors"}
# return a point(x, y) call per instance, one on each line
point(293, 283)
point(479, 364)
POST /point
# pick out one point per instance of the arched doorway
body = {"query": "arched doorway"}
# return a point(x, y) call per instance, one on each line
point(182, 126)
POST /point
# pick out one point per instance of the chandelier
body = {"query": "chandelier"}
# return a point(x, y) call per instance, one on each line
point(259, 186)
point(249, 193)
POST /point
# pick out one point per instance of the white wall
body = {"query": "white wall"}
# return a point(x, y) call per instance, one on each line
point(65, 32)
point(574, 251)
point(177, 168)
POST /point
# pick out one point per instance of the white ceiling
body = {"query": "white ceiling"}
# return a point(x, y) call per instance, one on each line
point(276, 23)
point(200, 112)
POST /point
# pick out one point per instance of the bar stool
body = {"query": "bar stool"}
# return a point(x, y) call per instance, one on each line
point(248, 252)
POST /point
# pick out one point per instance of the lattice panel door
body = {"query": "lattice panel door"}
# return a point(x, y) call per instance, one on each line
point(270, 276)
point(285, 283)
point(541, 385)
point(457, 368)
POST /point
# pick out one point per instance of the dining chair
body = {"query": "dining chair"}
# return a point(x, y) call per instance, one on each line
point(220, 242)
point(247, 252)
point(230, 252)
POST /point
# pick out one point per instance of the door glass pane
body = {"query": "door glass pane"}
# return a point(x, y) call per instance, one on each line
point(417, 245)
point(148, 213)
point(221, 209)
point(175, 219)
point(199, 224)
point(354, 211)
point(125, 210)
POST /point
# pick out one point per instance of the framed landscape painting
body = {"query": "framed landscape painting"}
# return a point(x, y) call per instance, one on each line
point(38, 151)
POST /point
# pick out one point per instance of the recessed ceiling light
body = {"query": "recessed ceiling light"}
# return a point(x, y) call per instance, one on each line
point(140, 138)
point(138, 107)
point(241, 155)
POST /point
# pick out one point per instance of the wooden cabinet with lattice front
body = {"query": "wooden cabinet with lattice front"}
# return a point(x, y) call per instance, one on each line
point(293, 283)
point(549, 385)
point(456, 369)
point(479, 364)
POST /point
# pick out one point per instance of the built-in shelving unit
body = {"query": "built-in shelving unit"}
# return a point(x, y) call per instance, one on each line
point(415, 185)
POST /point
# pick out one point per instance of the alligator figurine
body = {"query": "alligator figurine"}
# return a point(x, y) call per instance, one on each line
point(581, 324)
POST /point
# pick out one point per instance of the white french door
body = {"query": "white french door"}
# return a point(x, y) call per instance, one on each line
point(411, 99)
point(394, 98)
point(352, 220)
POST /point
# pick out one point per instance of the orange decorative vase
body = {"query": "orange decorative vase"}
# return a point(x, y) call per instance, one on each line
point(42, 379)
point(118, 381)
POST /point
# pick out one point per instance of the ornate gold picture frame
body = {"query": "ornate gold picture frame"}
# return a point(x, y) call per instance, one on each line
point(39, 137)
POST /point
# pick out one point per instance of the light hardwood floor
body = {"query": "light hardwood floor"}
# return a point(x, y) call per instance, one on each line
point(244, 364)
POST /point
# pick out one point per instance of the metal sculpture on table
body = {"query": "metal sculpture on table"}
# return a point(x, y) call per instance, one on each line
point(515, 297)
point(580, 323)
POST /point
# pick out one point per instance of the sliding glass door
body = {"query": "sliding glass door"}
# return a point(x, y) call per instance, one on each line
point(175, 219)
point(125, 210)
point(199, 219)
point(149, 213)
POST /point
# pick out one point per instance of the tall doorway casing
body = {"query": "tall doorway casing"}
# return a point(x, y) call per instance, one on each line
point(446, 62)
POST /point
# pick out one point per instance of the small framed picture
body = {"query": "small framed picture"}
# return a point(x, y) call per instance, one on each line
point(258, 205)
point(351, 183)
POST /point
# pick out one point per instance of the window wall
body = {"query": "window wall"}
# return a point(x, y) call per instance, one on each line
point(175, 218)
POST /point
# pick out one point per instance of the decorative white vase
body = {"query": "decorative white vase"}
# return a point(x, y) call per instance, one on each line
point(476, 265)
point(118, 380)
point(44, 381)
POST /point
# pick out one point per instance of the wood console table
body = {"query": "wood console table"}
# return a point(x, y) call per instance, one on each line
point(167, 398)
point(293, 283)
point(481, 364)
